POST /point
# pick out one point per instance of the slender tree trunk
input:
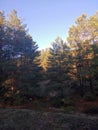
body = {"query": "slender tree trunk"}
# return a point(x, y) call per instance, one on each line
point(91, 86)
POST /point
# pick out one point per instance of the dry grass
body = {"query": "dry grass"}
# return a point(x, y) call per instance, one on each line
point(22, 119)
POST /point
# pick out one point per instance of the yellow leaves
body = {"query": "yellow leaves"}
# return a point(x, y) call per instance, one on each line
point(81, 19)
point(85, 29)
point(2, 18)
point(14, 21)
point(7, 83)
point(44, 58)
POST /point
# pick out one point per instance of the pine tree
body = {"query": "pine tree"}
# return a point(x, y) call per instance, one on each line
point(81, 38)
point(58, 60)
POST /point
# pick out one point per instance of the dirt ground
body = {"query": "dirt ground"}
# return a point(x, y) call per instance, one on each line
point(23, 119)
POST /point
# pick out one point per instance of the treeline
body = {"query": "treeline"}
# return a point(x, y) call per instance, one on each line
point(75, 62)
point(70, 65)
point(19, 70)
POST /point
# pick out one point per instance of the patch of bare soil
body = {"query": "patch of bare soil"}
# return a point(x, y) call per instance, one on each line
point(81, 104)
point(23, 119)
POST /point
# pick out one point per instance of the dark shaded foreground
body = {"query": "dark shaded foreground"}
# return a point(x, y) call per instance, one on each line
point(22, 119)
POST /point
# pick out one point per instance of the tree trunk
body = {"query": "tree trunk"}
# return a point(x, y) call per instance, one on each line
point(91, 86)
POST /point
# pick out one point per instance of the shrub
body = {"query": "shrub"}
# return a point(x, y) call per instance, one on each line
point(18, 100)
point(56, 102)
point(69, 109)
point(53, 91)
point(54, 86)
point(91, 110)
point(67, 102)
point(89, 97)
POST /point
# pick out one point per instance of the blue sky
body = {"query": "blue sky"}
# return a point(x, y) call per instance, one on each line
point(47, 19)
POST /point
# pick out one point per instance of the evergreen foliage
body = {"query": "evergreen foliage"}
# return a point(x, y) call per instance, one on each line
point(72, 64)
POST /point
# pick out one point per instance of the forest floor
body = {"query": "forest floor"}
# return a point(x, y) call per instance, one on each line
point(39, 115)
point(23, 119)
point(80, 106)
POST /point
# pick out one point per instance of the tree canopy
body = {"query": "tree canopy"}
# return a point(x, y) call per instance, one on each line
point(73, 63)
